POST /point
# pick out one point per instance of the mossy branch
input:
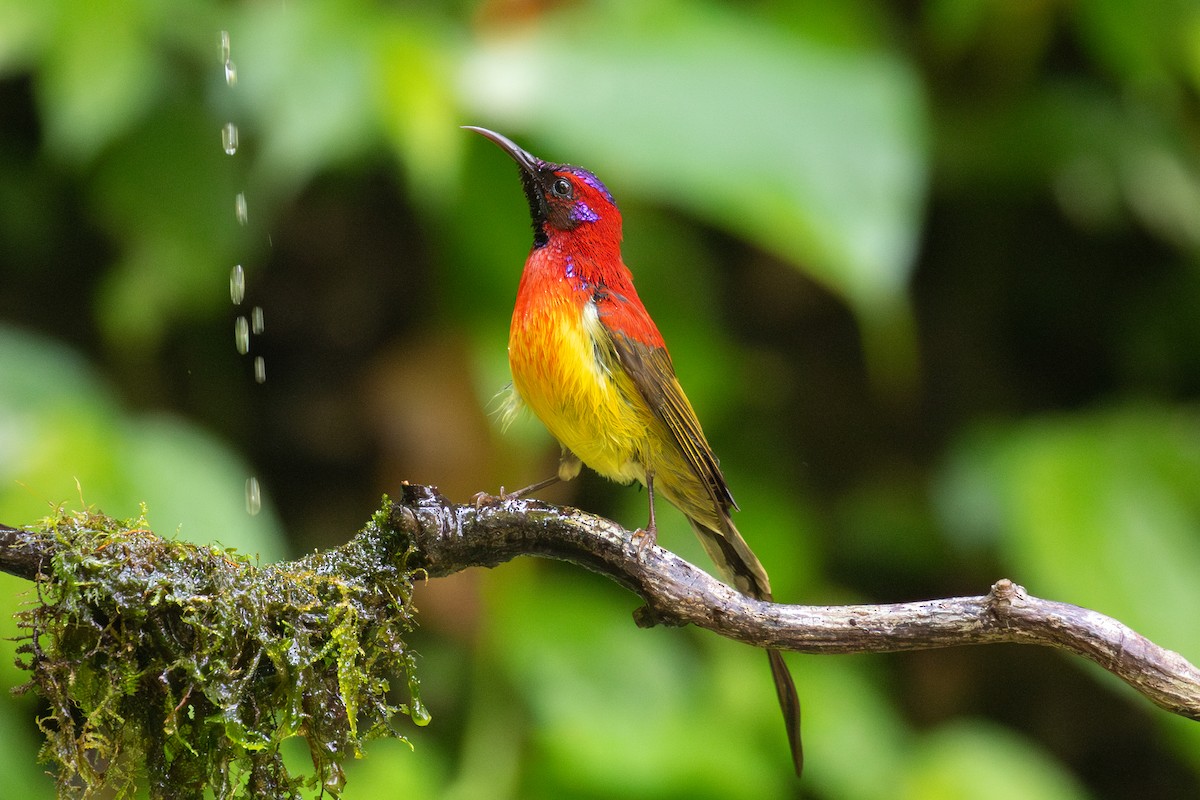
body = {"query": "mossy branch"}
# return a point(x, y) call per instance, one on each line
point(214, 660)
point(183, 668)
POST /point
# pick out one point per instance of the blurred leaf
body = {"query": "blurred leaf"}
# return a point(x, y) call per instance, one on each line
point(394, 768)
point(1106, 159)
point(416, 105)
point(305, 77)
point(100, 74)
point(618, 710)
point(814, 153)
point(62, 436)
point(168, 196)
point(856, 745)
point(1101, 510)
point(984, 762)
point(56, 424)
point(1141, 50)
point(998, 45)
point(953, 26)
point(192, 481)
point(24, 28)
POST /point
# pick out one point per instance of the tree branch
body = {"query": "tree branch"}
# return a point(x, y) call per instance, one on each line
point(449, 538)
point(18, 554)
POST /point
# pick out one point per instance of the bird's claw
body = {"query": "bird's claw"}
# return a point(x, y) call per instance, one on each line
point(482, 499)
point(645, 537)
point(485, 499)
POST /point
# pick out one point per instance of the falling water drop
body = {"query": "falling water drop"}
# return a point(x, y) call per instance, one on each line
point(237, 275)
point(229, 138)
point(253, 497)
point(239, 208)
point(237, 284)
point(241, 335)
point(230, 69)
point(256, 320)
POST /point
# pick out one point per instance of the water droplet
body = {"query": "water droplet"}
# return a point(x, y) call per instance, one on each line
point(256, 319)
point(229, 138)
point(230, 69)
point(419, 713)
point(239, 208)
point(241, 335)
point(260, 370)
point(335, 779)
point(237, 284)
point(253, 497)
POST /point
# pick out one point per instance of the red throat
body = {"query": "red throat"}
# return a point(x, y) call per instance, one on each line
point(571, 271)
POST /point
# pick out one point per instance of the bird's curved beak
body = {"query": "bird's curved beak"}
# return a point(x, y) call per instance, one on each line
point(532, 174)
point(526, 160)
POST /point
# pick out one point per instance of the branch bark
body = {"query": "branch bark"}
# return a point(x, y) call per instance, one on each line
point(18, 555)
point(449, 538)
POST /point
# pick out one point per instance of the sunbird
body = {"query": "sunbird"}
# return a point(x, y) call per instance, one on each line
point(588, 359)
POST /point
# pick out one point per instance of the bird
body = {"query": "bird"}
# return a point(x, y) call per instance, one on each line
point(587, 358)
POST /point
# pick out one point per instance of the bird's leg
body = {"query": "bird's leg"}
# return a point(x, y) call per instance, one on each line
point(530, 489)
point(568, 467)
point(483, 498)
point(649, 534)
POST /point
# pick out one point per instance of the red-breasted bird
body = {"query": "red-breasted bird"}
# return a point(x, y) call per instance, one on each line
point(588, 359)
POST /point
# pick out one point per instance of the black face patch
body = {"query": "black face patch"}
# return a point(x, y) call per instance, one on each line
point(539, 212)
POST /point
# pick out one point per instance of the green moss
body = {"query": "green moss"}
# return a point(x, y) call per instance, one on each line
point(173, 665)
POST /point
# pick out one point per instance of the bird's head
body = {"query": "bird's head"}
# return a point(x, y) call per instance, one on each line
point(562, 198)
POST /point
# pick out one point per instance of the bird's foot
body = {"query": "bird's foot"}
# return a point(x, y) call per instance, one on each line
point(482, 499)
point(645, 537)
point(485, 499)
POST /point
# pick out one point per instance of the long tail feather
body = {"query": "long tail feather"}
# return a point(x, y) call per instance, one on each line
point(738, 564)
point(789, 703)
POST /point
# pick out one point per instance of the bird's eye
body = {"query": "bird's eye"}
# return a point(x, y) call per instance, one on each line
point(561, 188)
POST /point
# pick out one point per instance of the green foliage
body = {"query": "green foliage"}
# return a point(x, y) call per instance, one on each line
point(186, 667)
point(1096, 509)
point(985, 763)
point(66, 436)
point(1098, 506)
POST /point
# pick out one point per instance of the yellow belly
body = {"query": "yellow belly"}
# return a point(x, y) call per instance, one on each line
point(588, 405)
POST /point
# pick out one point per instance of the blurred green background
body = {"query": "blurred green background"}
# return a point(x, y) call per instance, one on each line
point(930, 274)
